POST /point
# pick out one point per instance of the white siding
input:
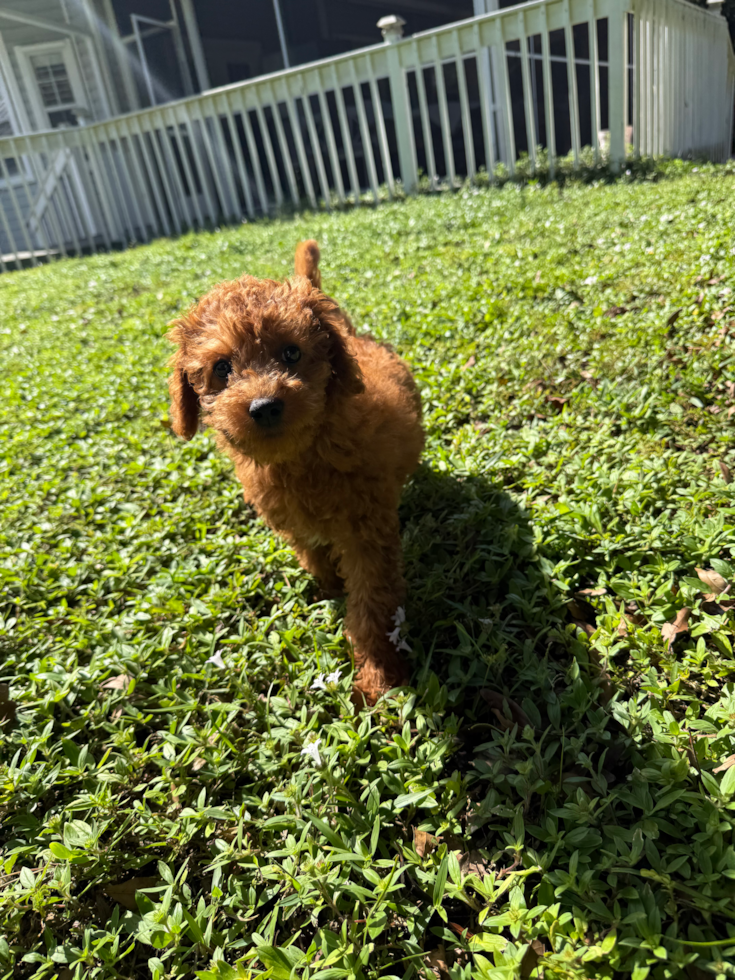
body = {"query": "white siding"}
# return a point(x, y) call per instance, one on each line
point(16, 34)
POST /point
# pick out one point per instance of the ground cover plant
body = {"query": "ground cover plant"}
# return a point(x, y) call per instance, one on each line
point(185, 790)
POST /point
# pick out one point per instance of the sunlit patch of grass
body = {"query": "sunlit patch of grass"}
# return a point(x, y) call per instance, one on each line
point(555, 794)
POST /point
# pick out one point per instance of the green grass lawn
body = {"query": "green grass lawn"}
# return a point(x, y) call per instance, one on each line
point(553, 795)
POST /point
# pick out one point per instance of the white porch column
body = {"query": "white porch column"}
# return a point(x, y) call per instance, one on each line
point(121, 55)
point(616, 75)
point(195, 43)
point(392, 28)
point(489, 65)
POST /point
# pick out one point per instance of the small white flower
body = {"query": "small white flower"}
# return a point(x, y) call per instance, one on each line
point(312, 750)
point(399, 616)
point(590, 281)
point(333, 678)
point(217, 661)
point(318, 684)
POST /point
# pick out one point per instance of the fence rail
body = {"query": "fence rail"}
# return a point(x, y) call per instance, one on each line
point(551, 75)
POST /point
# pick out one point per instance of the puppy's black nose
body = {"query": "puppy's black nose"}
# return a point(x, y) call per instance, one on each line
point(266, 412)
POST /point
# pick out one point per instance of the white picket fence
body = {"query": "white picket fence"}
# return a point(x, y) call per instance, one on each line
point(557, 74)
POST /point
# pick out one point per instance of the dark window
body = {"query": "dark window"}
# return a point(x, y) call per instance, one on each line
point(53, 79)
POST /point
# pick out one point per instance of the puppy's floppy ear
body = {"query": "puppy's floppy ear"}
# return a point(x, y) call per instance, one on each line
point(346, 373)
point(184, 410)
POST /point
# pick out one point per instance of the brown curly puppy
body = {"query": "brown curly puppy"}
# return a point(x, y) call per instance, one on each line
point(323, 427)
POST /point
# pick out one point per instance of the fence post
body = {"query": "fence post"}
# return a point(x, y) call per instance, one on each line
point(617, 61)
point(392, 28)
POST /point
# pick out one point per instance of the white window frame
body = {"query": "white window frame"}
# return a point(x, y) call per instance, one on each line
point(24, 55)
point(18, 117)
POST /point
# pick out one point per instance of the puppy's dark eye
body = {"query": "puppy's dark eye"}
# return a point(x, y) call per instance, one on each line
point(222, 369)
point(291, 354)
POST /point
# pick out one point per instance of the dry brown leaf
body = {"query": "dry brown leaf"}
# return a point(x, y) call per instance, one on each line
point(198, 764)
point(582, 612)
point(581, 609)
point(717, 606)
point(497, 702)
point(636, 620)
point(423, 843)
point(615, 311)
point(725, 470)
point(118, 683)
point(588, 628)
point(556, 402)
point(589, 592)
point(531, 957)
point(727, 764)
point(229, 833)
point(670, 631)
point(7, 707)
point(475, 863)
point(715, 583)
point(470, 362)
point(124, 892)
point(673, 318)
point(436, 960)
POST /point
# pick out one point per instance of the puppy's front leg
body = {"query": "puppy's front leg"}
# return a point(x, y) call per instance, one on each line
point(372, 567)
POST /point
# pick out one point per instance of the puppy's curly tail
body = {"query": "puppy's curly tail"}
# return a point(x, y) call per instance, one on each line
point(306, 262)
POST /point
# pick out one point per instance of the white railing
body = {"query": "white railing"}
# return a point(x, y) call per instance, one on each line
point(552, 74)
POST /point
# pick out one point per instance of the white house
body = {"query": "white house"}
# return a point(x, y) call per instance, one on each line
point(121, 120)
point(72, 62)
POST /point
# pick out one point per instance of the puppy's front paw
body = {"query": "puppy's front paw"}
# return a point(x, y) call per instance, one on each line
point(373, 680)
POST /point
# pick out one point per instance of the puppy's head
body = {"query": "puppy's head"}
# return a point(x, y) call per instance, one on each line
point(267, 363)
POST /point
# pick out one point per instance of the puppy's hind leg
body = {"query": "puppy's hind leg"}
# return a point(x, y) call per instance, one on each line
point(373, 570)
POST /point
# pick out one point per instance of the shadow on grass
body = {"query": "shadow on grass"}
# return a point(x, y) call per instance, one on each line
point(491, 622)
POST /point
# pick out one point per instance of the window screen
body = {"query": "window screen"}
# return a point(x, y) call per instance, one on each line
point(6, 126)
point(53, 79)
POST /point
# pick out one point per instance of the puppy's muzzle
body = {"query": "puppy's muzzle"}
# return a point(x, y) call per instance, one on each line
point(266, 412)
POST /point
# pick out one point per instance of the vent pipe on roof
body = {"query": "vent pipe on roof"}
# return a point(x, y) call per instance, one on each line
point(392, 28)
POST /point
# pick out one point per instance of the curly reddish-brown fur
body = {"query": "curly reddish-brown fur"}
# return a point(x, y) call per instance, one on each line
point(328, 475)
point(306, 262)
